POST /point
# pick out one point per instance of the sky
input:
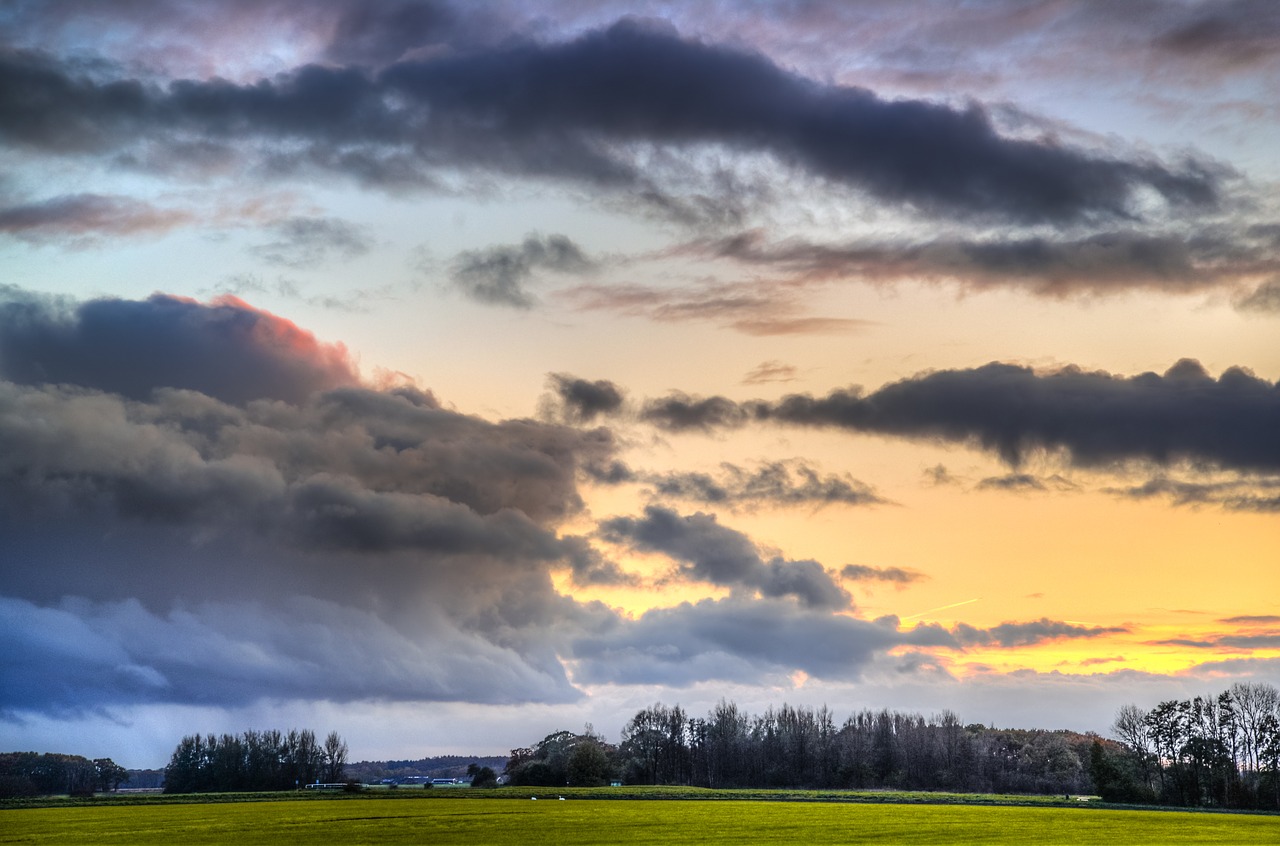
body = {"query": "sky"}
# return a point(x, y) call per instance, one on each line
point(446, 375)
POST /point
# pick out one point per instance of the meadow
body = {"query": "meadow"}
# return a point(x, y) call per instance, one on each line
point(388, 818)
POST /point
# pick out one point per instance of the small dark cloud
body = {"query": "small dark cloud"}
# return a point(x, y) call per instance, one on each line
point(710, 552)
point(1260, 494)
point(1265, 299)
point(1011, 635)
point(1233, 34)
point(1025, 483)
point(939, 475)
point(303, 242)
point(776, 483)
point(83, 219)
point(761, 310)
point(1093, 662)
point(499, 275)
point(226, 349)
point(582, 400)
point(1253, 619)
point(767, 327)
point(610, 472)
point(1012, 482)
point(680, 412)
point(1053, 266)
point(865, 573)
point(1186, 641)
point(770, 371)
point(1255, 641)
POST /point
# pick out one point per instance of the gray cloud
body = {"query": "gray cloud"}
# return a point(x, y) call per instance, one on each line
point(772, 483)
point(302, 242)
point(226, 349)
point(1096, 418)
point(737, 640)
point(710, 552)
point(865, 573)
point(499, 275)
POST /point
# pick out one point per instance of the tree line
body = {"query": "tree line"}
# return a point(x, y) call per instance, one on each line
point(803, 747)
point(254, 760)
point(35, 774)
point(1208, 751)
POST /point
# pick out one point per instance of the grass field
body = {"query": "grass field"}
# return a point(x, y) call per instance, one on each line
point(491, 821)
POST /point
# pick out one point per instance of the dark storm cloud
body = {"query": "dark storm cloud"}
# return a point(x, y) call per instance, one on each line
point(1047, 266)
point(1096, 418)
point(630, 83)
point(710, 552)
point(1010, 635)
point(82, 218)
point(583, 400)
point(309, 241)
point(225, 349)
point(351, 544)
point(498, 275)
point(574, 109)
point(772, 483)
point(864, 573)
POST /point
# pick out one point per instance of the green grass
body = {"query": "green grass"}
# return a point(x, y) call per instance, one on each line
point(505, 820)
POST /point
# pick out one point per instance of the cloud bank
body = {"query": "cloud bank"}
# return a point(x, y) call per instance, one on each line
point(1095, 418)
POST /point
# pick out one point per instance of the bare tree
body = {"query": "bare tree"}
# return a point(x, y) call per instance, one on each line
point(335, 758)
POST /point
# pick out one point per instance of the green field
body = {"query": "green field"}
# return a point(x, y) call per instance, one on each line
point(487, 821)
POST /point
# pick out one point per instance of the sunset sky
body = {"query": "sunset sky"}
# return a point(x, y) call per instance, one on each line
point(447, 375)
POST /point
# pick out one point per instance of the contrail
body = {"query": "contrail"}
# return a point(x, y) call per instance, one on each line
point(941, 608)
